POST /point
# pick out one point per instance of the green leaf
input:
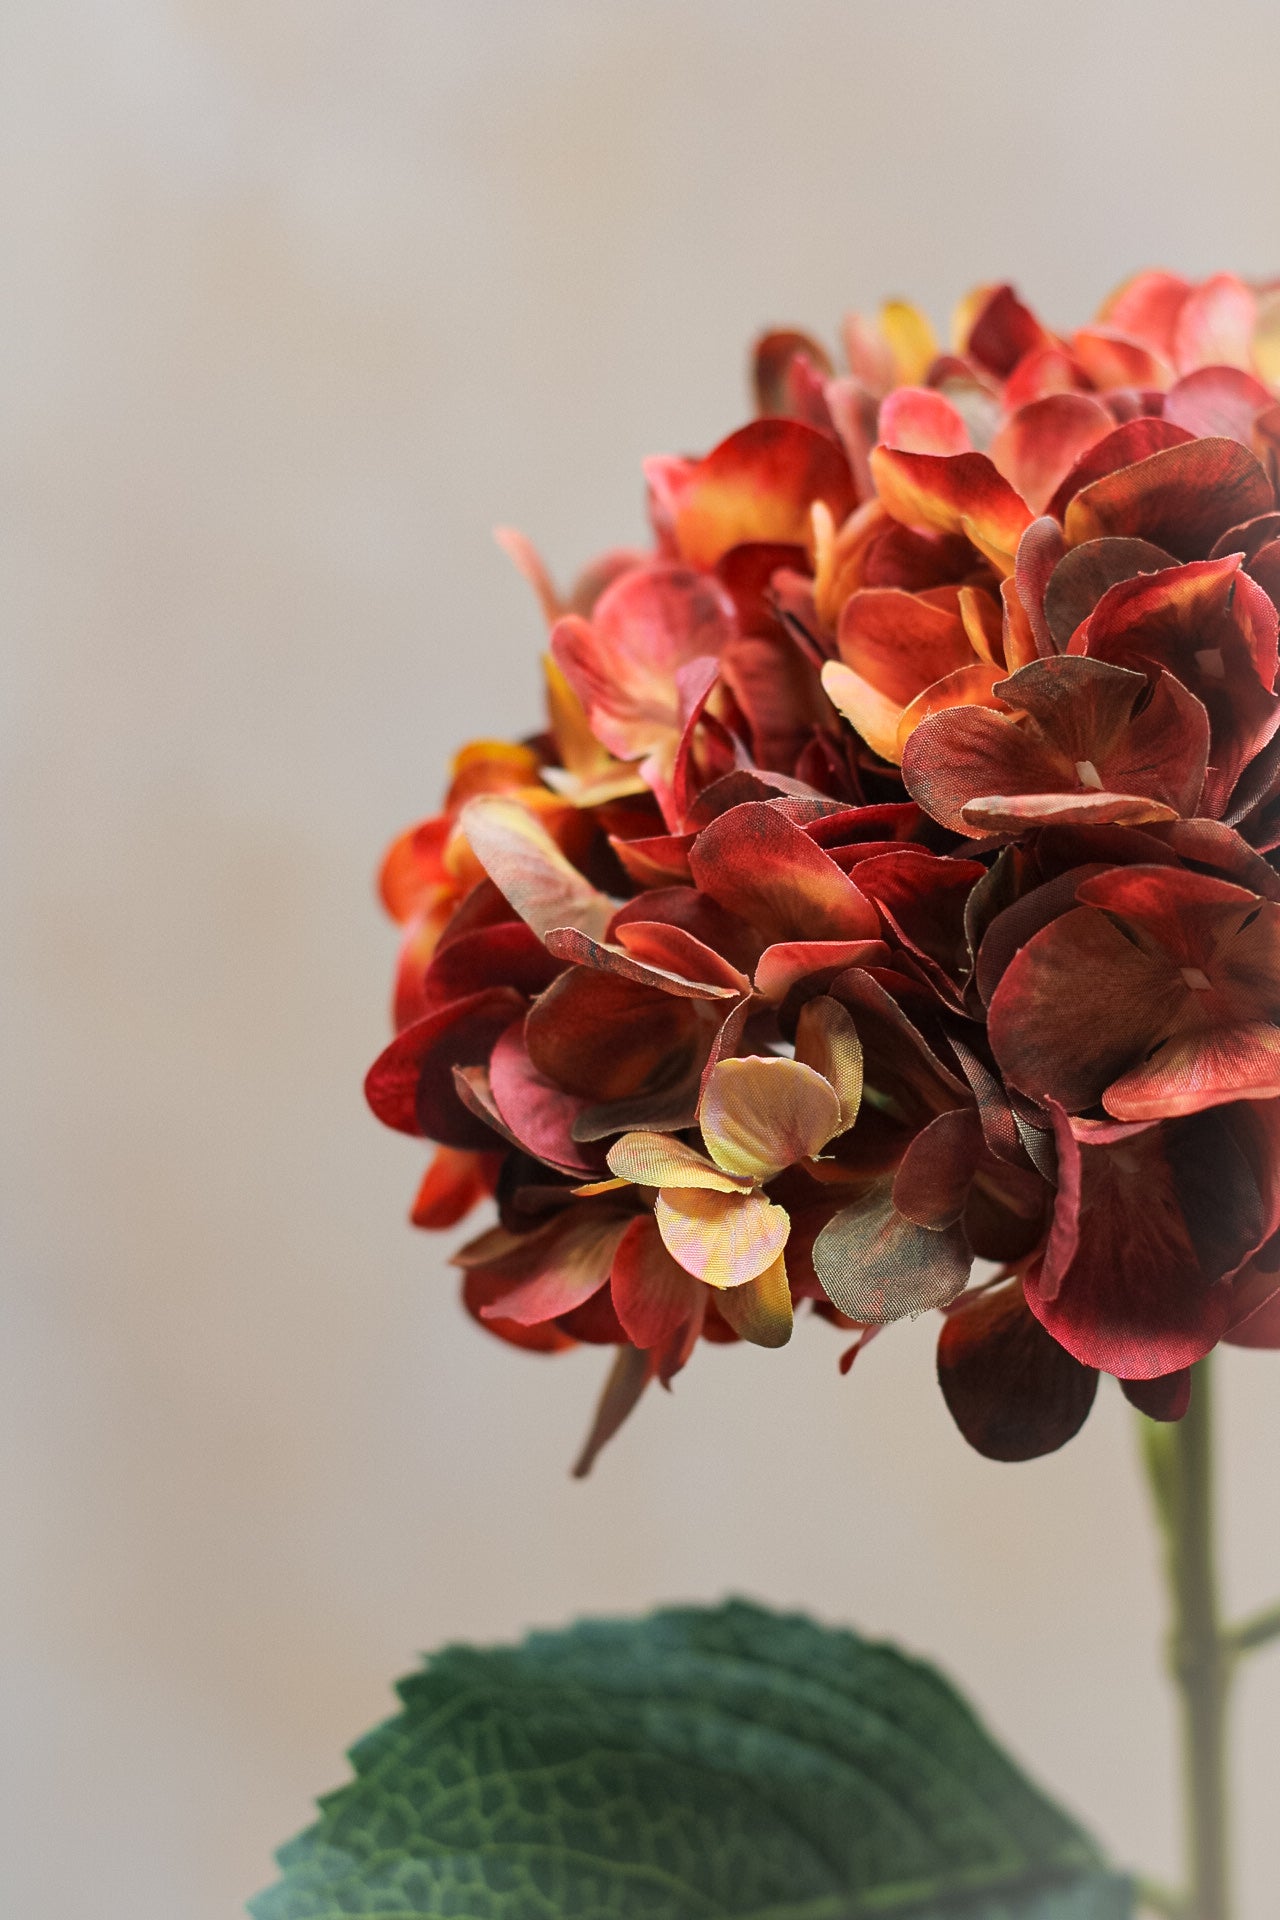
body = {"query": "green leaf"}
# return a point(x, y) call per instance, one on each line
point(729, 1764)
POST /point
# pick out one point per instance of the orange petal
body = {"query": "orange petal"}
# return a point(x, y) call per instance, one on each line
point(760, 1115)
point(893, 645)
point(456, 1179)
point(413, 877)
point(983, 623)
point(827, 1041)
point(722, 1238)
point(759, 484)
point(660, 1160)
point(760, 1310)
point(1112, 360)
point(953, 493)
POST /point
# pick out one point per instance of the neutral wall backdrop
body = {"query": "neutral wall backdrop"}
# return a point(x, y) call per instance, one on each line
point(299, 297)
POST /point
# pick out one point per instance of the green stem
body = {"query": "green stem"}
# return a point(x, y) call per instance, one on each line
point(1255, 1631)
point(1179, 1458)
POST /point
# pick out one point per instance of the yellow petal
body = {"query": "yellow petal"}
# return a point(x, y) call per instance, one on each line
point(983, 624)
point(762, 1114)
point(910, 339)
point(659, 1160)
point(827, 1041)
point(760, 1309)
point(581, 754)
point(722, 1238)
point(868, 711)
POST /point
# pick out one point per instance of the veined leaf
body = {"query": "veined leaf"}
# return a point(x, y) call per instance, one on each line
point(724, 1764)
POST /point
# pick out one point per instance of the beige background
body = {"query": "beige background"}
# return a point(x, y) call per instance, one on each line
point(298, 300)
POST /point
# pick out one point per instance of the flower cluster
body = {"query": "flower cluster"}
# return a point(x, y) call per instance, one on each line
point(895, 883)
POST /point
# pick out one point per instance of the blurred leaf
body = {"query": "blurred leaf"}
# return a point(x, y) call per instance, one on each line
point(729, 1764)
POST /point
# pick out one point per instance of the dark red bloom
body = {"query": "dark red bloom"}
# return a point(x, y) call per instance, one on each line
point(892, 883)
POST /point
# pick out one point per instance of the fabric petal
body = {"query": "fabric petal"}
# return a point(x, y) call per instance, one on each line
point(652, 1295)
point(659, 1160)
point(877, 1266)
point(1167, 1397)
point(921, 420)
point(954, 493)
point(759, 484)
point(759, 865)
point(410, 1085)
point(1180, 499)
point(759, 1115)
point(722, 1238)
point(453, 1183)
point(933, 1179)
point(827, 1040)
point(1014, 1393)
point(760, 1310)
point(525, 863)
point(627, 1379)
point(1038, 445)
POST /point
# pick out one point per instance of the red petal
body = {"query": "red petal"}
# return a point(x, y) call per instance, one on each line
point(1082, 576)
point(789, 962)
point(1037, 446)
point(1143, 1232)
point(653, 1296)
point(622, 664)
point(575, 947)
point(1014, 1393)
point(605, 1038)
point(537, 1113)
point(507, 955)
point(1131, 443)
point(1180, 499)
point(1215, 325)
point(1147, 308)
point(774, 359)
point(900, 642)
point(763, 868)
point(932, 1183)
point(1218, 401)
point(1167, 1397)
point(1145, 751)
point(479, 1290)
point(1110, 360)
point(413, 871)
point(1003, 331)
point(921, 420)
point(410, 1086)
point(1214, 628)
point(558, 1267)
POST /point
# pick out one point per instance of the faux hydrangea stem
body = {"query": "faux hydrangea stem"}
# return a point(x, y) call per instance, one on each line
point(1179, 1459)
